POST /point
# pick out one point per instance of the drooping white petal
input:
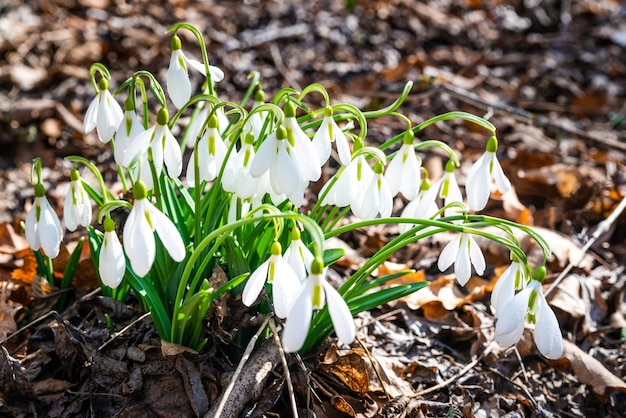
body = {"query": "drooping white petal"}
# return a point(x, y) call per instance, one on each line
point(255, 283)
point(322, 139)
point(285, 287)
point(299, 318)
point(547, 331)
point(504, 289)
point(109, 117)
point(299, 257)
point(476, 255)
point(502, 182)
point(479, 183)
point(139, 239)
point(341, 142)
point(463, 266)
point(32, 235)
point(386, 199)
point(217, 74)
point(448, 254)
point(510, 325)
point(340, 315)
point(129, 129)
point(137, 148)
point(265, 156)
point(91, 116)
point(178, 84)
point(172, 156)
point(112, 263)
point(167, 232)
point(285, 176)
point(49, 229)
point(303, 151)
point(403, 173)
point(368, 203)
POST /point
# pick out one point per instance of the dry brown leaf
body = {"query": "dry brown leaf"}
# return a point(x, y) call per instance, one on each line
point(590, 371)
point(342, 405)
point(8, 309)
point(10, 241)
point(564, 250)
point(349, 369)
point(28, 271)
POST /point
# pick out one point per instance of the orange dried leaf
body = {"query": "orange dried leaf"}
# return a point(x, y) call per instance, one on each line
point(349, 369)
point(28, 271)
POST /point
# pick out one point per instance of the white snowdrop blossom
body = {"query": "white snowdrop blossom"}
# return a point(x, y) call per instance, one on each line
point(530, 304)
point(450, 191)
point(283, 159)
point(103, 113)
point(142, 222)
point(77, 208)
point(160, 142)
point(43, 228)
point(478, 183)
point(422, 207)
point(274, 270)
point(313, 294)
point(463, 252)
point(352, 181)
point(111, 261)
point(129, 129)
point(376, 199)
point(403, 172)
point(237, 178)
point(328, 133)
point(178, 83)
point(504, 290)
point(211, 153)
point(298, 256)
point(306, 155)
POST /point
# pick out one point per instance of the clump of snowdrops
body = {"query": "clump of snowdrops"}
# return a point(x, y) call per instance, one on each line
point(238, 205)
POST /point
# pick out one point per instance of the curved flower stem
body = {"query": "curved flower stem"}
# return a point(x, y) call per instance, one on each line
point(255, 76)
point(36, 168)
point(315, 88)
point(396, 104)
point(100, 68)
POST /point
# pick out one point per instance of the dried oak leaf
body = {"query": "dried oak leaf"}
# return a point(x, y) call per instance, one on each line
point(28, 271)
point(350, 369)
point(590, 371)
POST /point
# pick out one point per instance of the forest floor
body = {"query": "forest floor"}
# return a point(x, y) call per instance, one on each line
point(550, 75)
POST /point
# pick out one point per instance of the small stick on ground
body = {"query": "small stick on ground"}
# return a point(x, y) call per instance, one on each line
point(283, 360)
point(123, 331)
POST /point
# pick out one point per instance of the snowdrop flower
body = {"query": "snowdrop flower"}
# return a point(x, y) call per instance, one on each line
point(144, 219)
point(403, 172)
point(159, 141)
point(352, 181)
point(328, 133)
point(313, 294)
point(211, 152)
point(103, 113)
point(306, 155)
point(422, 207)
point(237, 178)
point(129, 129)
point(284, 160)
point(463, 252)
point(256, 119)
point(178, 83)
point(111, 261)
point(43, 229)
point(531, 304)
point(376, 198)
point(449, 190)
point(274, 270)
point(478, 183)
point(298, 256)
point(504, 290)
point(77, 208)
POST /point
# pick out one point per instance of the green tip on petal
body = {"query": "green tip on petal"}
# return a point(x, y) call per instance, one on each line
point(540, 274)
point(408, 138)
point(103, 84)
point(212, 121)
point(290, 110)
point(109, 224)
point(317, 266)
point(492, 144)
point(139, 190)
point(40, 191)
point(328, 111)
point(163, 117)
point(175, 43)
point(74, 175)
point(450, 166)
point(277, 249)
